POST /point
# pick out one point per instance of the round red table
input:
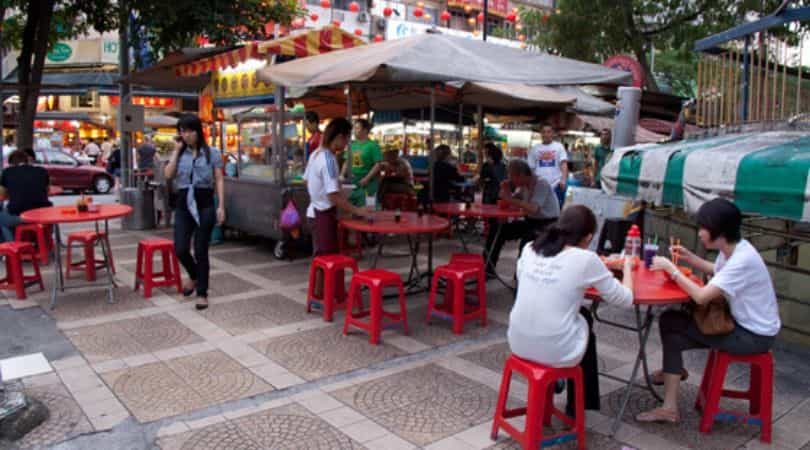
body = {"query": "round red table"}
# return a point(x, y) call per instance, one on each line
point(56, 215)
point(410, 224)
point(651, 289)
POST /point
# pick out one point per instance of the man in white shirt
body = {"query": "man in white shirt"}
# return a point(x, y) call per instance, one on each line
point(92, 150)
point(549, 161)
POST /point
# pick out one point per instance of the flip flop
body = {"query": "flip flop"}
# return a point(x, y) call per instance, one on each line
point(658, 415)
point(657, 377)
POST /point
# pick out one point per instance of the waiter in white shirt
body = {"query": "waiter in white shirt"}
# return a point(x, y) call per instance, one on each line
point(549, 161)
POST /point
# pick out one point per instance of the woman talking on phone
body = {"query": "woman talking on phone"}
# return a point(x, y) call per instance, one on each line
point(196, 169)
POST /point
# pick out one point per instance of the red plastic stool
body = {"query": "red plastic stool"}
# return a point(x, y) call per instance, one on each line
point(144, 271)
point(540, 405)
point(475, 259)
point(42, 240)
point(15, 279)
point(88, 240)
point(759, 393)
point(455, 307)
point(334, 289)
point(375, 280)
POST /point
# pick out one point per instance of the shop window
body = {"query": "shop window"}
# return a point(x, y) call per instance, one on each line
point(58, 158)
point(88, 99)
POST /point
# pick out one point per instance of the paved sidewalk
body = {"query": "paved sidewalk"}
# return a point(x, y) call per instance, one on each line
point(255, 371)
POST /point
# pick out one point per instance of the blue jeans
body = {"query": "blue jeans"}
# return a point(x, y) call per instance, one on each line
point(560, 194)
point(7, 223)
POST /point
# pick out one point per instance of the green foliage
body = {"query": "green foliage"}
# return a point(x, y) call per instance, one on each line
point(70, 18)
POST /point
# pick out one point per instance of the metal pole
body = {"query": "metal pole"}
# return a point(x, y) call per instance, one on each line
point(460, 128)
point(432, 156)
point(348, 92)
point(480, 149)
point(2, 110)
point(123, 91)
point(486, 18)
point(745, 77)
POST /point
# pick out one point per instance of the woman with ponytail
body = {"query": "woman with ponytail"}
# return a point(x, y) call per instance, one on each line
point(548, 323)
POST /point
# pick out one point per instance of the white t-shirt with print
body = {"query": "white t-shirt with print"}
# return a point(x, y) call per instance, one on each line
point(746, 284)
point(322, 179)
point(545, 325)
point(545, 161)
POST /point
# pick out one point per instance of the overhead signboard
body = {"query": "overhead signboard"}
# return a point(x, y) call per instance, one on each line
point(102, 50)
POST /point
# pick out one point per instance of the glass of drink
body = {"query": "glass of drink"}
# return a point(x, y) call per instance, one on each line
point(650, 250)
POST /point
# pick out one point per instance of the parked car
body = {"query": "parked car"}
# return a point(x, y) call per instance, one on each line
point(71, 174)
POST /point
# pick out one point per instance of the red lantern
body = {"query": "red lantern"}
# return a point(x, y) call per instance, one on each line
point(418, 12)
point(512, 17)
point(354, 7)
point(298, 23)
point(480, 17)
point(313, 17)
point(545, 17)
point(336, 23)
point(378, 38)
point(471, 21)
point(326, 4)
point(358, 32)
point(467, 9)
point(387, 11)
point(445, 16)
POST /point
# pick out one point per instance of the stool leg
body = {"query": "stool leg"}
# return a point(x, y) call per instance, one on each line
point(403, 309)
point(458, 305)
point(434, 285)
point(328, 294)
point(712, 404)
point(579, 387)
point(376, 314)
point(138, 266)
point(766, 401)
point(165, 264)
point(37, 275)
point(704, 382)
point(548, 411)
point(16, 276)
point(503, 395)
point(354, 289)
point(754, 390)
point(535, 411)
point(69, 264)
point(42, 245)
point(148, 277)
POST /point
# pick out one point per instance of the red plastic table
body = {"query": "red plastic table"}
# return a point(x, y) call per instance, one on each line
point(410, 224)
point(651, 289)
point(56, 215)
point(479, 211)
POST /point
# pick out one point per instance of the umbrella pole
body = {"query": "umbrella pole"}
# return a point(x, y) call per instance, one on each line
point(431, 154)
point(480, 133)
point(348, 91)
point(460, 129)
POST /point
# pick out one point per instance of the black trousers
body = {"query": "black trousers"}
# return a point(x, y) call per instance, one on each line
point(525, 230)
point(185, 228)
point(590, 372)
point(679, 332)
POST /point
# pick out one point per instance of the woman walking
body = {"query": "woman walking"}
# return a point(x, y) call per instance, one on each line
point(196, 170)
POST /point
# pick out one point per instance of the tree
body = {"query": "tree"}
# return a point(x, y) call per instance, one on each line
point(593, 30)
point(34, 26)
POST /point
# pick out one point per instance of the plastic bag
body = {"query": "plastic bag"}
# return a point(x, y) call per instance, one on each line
point(290, 219)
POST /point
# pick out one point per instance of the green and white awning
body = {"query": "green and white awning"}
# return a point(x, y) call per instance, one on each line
point(764, 173)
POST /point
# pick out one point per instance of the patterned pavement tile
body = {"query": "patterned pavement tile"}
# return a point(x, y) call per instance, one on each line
point(424, 404)
point(286, 427)
point(492, 357)
point(93, 304)
point(219, 285)
point(131, 337)
point(724, 435)
point(182, 385)
point(293, 273)
point(247, 256)
point(593, 441)
point(244, 316)
point(66, 418)
point(324, 352)
point(440, 332)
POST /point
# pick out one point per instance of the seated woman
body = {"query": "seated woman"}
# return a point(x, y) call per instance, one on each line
point(445, 176)
point(397, 175)
point(548, 323)
point(740, 277)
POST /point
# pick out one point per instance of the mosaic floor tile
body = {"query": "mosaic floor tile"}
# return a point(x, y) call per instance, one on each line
point(244, 316)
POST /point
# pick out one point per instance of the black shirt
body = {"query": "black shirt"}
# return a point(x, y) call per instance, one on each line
point(146, 157)
point(27, 188)
point(491, 177)
point(444, 175)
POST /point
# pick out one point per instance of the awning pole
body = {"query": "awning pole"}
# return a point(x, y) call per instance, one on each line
point(480, 133)
point(432, 157)
point(460, 128)
point(348, 92)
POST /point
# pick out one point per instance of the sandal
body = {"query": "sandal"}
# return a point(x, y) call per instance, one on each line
point(658, 415)
point(188, 291)
point(657, 377)
point(201, 306)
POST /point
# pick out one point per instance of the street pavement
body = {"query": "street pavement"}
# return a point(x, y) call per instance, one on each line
point(256, 371)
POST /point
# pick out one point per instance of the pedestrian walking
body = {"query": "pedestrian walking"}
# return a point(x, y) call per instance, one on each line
point(196, 170)
point(549, 161)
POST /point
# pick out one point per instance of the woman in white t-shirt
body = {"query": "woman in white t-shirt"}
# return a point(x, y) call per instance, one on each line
point(548, 323)
point(740, 276)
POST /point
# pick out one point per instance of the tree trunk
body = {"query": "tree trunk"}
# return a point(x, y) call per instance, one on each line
point(649, 80)
point(35, 45)
point(636, 42)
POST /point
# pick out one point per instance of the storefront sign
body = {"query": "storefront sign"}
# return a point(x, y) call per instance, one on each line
point(398, 29)
point(239, 82)
point(60, 52)
point(149, 102)
point(497, 7)
point(99, 50)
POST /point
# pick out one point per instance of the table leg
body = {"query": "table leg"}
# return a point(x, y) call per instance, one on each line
point(644, 328)
point(379, 251)
point(110, 279)
point(460, 234)
point(58, 281)
point(488, 261)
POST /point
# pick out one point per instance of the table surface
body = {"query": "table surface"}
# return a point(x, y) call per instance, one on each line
point(410, 223)
point(68, 214)
point(652, 288)
point(477, 210)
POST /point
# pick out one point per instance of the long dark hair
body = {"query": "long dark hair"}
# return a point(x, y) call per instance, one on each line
point(494, 153)
point(721, 218)
point(337, 127)
point(575, 223)
point(193, 123)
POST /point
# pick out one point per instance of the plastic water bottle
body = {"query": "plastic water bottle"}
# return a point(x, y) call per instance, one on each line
point(632, 244)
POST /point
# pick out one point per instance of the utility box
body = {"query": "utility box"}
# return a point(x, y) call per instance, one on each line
point(142, 201)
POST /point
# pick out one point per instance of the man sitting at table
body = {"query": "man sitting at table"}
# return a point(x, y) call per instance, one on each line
point(397, 175)
point(534, 195)
point(26, 187)
point(445, 176)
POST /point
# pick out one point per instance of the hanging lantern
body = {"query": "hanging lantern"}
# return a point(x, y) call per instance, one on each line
point(313, 17)
point(445, 16)
point(512, 17)
point(354, 7)
point(518, 27)
point(358, 32)
point(326, 4)
point(471, 21)
point(418, 12)
point(378, 38)
point(387, 11)
point(298, 23)
point(480, 17)
point(428, 17)
point(467, 9)
point(336, 23)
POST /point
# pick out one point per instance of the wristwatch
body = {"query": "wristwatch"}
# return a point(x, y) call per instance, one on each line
point(674, 273)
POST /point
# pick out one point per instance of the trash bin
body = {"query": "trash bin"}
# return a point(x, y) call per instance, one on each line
point(142, 201)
